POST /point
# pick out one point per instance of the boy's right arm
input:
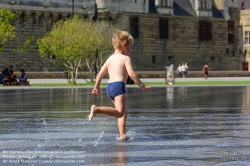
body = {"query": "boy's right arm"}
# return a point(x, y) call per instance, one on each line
point(99, 78)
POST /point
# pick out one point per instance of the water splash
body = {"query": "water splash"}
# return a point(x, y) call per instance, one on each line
point(130, 136)
point(96, 142)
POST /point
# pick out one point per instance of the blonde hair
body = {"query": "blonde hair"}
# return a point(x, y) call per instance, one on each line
point(120, 37)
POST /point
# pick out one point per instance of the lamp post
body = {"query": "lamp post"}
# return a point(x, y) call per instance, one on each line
point(73, 64)
point(96, 54)
point(73, 8)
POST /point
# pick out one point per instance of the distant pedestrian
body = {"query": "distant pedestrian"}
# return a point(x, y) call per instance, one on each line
point(183, 68)
point(186, 70)
point(243, 6)
point(179, 71)
point(206, 69)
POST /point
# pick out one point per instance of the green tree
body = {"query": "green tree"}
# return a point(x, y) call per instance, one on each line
point(105, 49)
point(7, 30)
point(70, 42)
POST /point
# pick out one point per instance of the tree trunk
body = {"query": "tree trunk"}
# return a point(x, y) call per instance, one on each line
point(90, 67)
point(72, 74)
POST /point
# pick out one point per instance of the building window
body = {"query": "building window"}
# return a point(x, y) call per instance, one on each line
point(245, 66)
point(203, 5)
point(153, 59)
point(231, 38)
point(134, 26)
point(164, 3)
point(163, 28)
point(170, 57)
point(205, 30)
point(247, 37)
point(230, 25)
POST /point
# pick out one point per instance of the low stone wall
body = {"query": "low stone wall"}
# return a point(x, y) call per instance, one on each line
point(141, 74)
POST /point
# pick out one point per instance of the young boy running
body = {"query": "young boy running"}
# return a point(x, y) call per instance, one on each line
point(119, 66)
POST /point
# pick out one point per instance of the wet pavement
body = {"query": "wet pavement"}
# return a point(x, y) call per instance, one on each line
point(168, 126)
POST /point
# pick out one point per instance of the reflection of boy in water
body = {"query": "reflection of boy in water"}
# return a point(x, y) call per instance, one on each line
point(119, 67)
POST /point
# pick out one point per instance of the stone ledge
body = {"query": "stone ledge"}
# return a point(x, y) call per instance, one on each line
point(141, 74)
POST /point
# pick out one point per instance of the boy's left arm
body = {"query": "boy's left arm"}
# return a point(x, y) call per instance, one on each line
point(134, 76)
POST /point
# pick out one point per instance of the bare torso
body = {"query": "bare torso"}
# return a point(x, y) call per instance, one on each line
point(117, 68)
point(205, 68)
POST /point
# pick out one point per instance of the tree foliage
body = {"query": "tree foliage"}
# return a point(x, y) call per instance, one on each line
point(106, 30)
point(7, 30)
point(70, 42)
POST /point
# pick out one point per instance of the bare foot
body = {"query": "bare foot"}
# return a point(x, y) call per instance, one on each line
point(124, 138)
point(92, 112)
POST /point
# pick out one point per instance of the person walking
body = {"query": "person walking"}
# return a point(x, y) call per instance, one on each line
point(186, 70)
point(179, 71)
point(183, 68)
point(206, 69)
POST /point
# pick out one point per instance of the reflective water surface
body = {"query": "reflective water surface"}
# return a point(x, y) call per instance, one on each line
point(168, 126)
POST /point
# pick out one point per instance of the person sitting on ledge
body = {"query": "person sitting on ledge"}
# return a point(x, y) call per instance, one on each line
point(23, 78)
point(10, 79)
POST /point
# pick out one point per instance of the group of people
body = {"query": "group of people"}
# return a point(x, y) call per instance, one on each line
point(9, 79)
point(182, 70)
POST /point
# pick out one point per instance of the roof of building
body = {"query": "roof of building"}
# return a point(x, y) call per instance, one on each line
point(183, 8)
point(152, 8)
point(216, 13)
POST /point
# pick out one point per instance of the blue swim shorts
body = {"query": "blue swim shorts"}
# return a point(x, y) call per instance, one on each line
point(115, 89)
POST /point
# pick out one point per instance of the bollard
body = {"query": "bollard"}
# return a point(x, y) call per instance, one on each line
point(169, 75)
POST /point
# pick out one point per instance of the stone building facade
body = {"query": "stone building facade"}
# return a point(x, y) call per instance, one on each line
point(243, 23)
point(165, 31)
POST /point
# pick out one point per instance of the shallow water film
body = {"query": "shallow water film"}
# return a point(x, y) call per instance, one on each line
point(168, 126)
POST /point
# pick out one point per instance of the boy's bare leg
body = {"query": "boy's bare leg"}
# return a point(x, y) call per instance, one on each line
point(122, 126)
point(118, 112)
point(92, 112)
